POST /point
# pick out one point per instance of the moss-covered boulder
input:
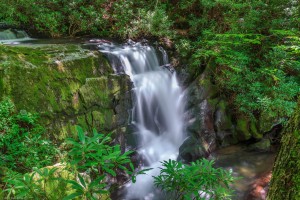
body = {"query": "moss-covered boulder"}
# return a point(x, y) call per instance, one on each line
point(247, 129)
point(65, 85)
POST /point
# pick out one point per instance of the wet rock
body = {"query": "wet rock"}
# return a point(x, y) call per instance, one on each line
point(259, 188)
point(263, 145)
point(192, 149)
point(223, 125)
point(201, 105)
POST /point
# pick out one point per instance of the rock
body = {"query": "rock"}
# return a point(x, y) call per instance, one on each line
point(67, 86)
point(201, 103)
point(263, 145)
point(55, 187)
point(242, 129)
point(247, 129)
point(259, 188)
point(192, 149)
point(223, 125)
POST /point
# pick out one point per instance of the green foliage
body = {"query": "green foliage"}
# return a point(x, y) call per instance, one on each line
point(199, 180)
point(30, 185)
point(105, 18)
point(92, 159)
point(22, 143)
point(96, 157)
point(150, 23)
point(250, 48)
point(96, 154)
point(88, 190)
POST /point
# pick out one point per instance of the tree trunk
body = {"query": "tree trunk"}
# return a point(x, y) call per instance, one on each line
point(285, 183)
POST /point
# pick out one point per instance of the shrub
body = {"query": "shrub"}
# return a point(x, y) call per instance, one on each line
point(22, 140)
point(199, 180)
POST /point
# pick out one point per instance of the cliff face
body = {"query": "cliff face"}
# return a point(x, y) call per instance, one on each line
point(285, 183)
point(66, 85)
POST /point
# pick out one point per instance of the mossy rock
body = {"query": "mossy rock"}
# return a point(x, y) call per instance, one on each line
point(247, 129)
point(263, 145)
point(65, 84)
point(254, 132)
point(242, 129)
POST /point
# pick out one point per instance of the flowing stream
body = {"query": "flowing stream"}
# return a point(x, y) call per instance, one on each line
point(158, 108)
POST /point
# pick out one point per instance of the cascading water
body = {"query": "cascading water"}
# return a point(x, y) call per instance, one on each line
point(158, 110)
point(11, 35)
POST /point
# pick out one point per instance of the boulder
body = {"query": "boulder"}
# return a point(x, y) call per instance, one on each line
point(192, 149)
point(67, 86)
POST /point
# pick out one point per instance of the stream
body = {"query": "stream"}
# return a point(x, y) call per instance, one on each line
point(157, 116)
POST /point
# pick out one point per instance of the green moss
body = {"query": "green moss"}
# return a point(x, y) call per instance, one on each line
point(63, 83)
point(242, 129)
point(95, 92)
point(104, 121)
point(285, 183)
point(263, 145)
point(254, 132)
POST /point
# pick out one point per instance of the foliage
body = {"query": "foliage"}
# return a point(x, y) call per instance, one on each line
point(96, 157)
point(96, 154)
point(150, 23)
point(106, 18)
point(92, 160)
point(30, 185)
point(250, 48)
point(22, 143)
point(199, 180)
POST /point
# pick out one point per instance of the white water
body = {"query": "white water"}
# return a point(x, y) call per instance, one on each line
point(11, 35)
point(158, 109)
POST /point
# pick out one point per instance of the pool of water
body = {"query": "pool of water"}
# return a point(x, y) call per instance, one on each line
point(248, 166)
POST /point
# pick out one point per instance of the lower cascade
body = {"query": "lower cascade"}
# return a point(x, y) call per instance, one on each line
point(157, 114)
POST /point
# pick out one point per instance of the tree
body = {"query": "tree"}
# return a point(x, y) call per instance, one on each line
point(285, 182)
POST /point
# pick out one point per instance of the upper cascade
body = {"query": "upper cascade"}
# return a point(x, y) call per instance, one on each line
point(158, 108)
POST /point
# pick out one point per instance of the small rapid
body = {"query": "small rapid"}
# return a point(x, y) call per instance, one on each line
point(157, 113)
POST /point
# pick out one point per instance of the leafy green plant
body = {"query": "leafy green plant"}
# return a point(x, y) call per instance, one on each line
point(30, 185)
point(22, 142)
point(97, 158)
point(88, 189)
point(96, 154)
point(199, 180)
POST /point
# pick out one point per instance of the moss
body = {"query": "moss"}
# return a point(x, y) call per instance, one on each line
point(254, 132)
point(263, 145)
point(104, 121)
point(285, 183)
point(95, 92)
point(242, 129)
point(63, 83)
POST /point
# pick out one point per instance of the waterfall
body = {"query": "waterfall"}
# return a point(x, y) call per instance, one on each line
point(12, 34)
point(158, 108)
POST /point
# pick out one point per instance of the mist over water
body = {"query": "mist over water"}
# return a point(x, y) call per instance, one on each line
point(157, 112)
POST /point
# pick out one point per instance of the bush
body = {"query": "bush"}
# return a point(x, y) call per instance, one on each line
point(22, 140)
point(199, 180)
